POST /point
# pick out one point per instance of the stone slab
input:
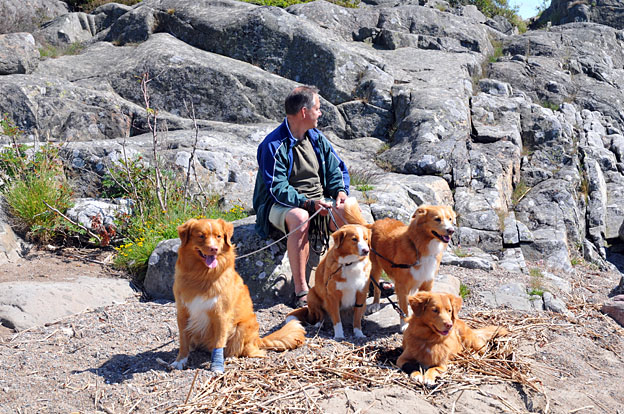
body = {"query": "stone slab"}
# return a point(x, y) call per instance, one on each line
point(27, 304)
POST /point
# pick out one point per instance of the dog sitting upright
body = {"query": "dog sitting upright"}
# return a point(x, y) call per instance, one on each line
point(214, 308)
point(409, 254)
point(341, 281)
point(435, 334)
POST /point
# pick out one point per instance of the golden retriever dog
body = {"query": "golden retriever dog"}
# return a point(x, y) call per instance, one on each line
point(341, 281)
point(409, 254)
point(435, 334)
point(214, 309)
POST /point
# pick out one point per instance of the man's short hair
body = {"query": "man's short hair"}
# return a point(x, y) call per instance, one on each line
point(300, 97)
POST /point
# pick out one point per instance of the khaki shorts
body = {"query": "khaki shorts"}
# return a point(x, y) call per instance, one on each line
point(277, 215)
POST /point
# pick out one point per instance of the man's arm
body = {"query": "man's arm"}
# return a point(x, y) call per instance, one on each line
point(273, 165)
point(336, 174)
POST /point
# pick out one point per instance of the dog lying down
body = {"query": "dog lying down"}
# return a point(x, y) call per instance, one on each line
point(214, 309)
point(435, 334)
point(341, 281)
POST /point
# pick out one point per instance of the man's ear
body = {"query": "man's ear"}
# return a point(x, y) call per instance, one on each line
point(457, 303)
point(419, 302)
point(228, 228)
point(184, 231)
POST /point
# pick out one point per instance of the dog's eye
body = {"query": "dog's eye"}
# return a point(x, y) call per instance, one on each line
point(435, 310)
point(202, 237)
point(355, 239)
point(218, 236)
point(438, 219)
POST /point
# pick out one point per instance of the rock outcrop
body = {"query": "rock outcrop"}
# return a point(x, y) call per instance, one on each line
point(527, 146)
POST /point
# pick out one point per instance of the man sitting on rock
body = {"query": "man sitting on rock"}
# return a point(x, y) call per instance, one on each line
point(299, 173)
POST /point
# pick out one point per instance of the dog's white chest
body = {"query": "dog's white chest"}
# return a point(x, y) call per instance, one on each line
point(428, 263)
point(356, 280)
point(198, 313)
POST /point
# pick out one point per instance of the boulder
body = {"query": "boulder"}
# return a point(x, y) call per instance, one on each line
point(614, 307)
point(18, 53)
point(27, 304)
point(28, 15)
point(67, 29)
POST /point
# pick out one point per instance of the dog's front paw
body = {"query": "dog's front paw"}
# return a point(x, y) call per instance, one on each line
point(372, 308)
point(358, 333)
point(418, 377)
point(217, 361)
point(181, 364)
point(338, 332)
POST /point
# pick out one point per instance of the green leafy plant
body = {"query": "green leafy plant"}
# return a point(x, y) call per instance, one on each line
point(464, 291)
point(520, 190)
point(459, 252)
point(536, 285)
point(498, 52)
point(33, 184)
point(550, 105)
point(53, 52)
point(362, 179)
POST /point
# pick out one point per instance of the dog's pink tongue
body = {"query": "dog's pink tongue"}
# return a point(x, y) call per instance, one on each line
point(211, 261)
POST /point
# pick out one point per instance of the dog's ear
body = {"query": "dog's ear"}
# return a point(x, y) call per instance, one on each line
point(420, 212)
point(228, 229)
point(418, 303)
point(184, 231)
point(338, 236)
point(456, 302)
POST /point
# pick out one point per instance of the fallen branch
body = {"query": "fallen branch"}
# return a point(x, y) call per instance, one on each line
point(89, 232)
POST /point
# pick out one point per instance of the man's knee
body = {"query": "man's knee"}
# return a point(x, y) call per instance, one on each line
point(296, 219)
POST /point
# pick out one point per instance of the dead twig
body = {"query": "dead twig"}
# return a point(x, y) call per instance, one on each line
point(89, 232)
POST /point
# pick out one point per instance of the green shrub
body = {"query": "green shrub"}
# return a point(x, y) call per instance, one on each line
point(31, 177)
point(53, 52)
point(537, 282)
point(362, 179)
point(519, 191)
point(464, 291)
point(550, 105)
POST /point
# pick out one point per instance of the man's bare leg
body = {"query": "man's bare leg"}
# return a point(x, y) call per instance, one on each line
point(298, 247)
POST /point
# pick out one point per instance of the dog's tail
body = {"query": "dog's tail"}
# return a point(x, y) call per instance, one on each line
point(289, 336)
point(352, 213)
point(483, 335)
point(490, 332)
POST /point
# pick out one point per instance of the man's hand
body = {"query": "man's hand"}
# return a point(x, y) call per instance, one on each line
point(341, 198)
point(320, 203)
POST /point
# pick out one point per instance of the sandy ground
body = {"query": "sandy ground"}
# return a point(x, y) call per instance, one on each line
point(112, 359)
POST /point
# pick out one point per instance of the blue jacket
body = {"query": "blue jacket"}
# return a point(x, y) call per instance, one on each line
point(275, 166)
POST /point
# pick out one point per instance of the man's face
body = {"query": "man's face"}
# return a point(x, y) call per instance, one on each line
point(313, 114)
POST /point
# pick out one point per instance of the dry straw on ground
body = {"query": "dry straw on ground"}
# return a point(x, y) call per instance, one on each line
point(298, 382)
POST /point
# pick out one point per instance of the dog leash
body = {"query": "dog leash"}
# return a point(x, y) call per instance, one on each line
point(394, 305)
point(392, 264)
point(282, 238)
